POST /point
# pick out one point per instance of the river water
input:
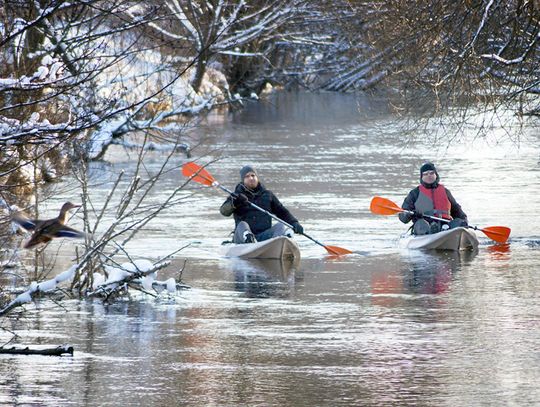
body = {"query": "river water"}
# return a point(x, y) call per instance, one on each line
point(383, 326)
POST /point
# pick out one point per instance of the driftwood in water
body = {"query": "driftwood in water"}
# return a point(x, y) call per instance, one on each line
point(58, 351)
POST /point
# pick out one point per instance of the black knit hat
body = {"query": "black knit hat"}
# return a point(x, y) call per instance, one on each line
point(245, 170)
point(427, 167)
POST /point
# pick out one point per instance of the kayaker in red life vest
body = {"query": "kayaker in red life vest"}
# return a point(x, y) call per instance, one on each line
point(431, 198)
point(252, 225)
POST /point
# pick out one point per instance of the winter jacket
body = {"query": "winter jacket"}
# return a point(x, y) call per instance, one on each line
point(410, 204)
point(257, 220)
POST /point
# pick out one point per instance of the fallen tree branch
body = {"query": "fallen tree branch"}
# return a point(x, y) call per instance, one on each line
point(58, 351)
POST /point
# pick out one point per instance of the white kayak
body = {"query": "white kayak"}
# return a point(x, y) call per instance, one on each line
point(452, 239)
point(281, 247)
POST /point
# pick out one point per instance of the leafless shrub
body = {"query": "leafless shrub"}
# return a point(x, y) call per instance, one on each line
point(445, 55)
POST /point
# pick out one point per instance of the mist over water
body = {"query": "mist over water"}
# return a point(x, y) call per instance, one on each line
point(384, 326)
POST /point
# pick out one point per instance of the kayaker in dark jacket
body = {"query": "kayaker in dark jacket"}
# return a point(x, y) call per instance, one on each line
point(252, 224)
point(431, 198)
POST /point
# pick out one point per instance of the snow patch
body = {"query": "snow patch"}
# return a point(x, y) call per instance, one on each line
point(129, 267)
point(66, 275)
point(116, 275)
point(147, 282)
point(48, 285)
point(23, 298)
point(98, 279)
point(144, 265)
point(171, 285)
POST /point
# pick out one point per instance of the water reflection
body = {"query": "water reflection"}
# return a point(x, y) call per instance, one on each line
point(262, 278)
point(500, 251)
point(432, 273)
point(421, 273)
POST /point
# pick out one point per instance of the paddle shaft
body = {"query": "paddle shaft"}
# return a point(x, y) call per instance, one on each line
point(217, 184)
point(427, 216)
point(440, 219)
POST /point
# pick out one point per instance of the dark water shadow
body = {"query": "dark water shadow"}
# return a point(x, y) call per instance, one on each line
point(263, 278)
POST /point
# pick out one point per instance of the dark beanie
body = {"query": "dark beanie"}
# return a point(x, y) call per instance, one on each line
point(427, 167)
point(246, 169)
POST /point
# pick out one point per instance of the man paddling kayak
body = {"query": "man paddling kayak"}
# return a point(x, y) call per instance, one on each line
point(251, 224)
point(433, 199)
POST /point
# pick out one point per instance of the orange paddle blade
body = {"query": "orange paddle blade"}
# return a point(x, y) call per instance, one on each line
point(383, 206)
point(337, 251)
point(498, 233)
point(197, 174)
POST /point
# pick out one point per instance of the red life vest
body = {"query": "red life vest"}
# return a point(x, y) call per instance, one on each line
point(433, 202)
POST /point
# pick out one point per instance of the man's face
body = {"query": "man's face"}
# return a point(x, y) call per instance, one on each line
point(429, 176)
point(251, 180)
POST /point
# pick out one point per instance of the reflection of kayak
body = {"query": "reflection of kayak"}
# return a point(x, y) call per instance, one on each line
point(277, 269)
point(263, 278)
point(451, 239)
point(281, 247)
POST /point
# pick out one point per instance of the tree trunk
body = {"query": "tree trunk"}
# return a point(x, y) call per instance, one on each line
point(200, 70)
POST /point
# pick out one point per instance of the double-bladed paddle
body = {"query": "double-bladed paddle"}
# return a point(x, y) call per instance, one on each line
point(383, 206)
point(199, 174)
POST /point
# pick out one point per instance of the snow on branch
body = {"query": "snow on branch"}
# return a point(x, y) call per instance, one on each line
point(37, 288)
point(22, 26)
point(46, 74)
point(152, 146)
point(485, 17)
point(517, 60)
point(504, 61)
point(111, 130)
point(14, 132)
point(178, 11)
point(141, 274)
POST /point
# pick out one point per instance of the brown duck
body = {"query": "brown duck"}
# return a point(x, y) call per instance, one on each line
point(45, 230)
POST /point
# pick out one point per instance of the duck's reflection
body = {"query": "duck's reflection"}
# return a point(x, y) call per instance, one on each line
point(261, 278)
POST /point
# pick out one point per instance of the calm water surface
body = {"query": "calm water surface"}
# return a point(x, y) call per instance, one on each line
point(381, 327)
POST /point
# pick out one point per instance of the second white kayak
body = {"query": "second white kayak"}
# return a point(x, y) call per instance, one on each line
point(281, 247)
point(452, 239)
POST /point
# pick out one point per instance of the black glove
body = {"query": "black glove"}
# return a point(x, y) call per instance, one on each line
point(458, 222)
point(297, 227)
point(417, 215)
point(240, 200)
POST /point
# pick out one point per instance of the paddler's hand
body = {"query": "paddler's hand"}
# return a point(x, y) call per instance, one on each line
point(417, 215)
point(297, 227)
point(240, 200)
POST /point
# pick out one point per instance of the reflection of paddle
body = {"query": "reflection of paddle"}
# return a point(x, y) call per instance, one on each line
point(383, 206)
point(202, 176)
